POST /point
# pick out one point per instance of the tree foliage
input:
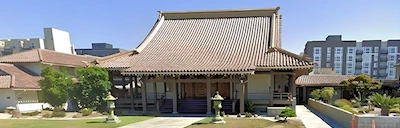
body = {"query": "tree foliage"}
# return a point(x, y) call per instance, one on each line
point(92, 86)
point(384, 102)
point(55, 85)
point(360, 86)
point(315, 94)
point(327, 94)
point(287, 112)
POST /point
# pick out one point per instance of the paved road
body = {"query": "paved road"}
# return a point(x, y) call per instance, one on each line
point(313, 119)
point(165, 122)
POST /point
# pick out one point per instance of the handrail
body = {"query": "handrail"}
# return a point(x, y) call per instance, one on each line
point(280, 96)
point(161, 101)
point(234, 102)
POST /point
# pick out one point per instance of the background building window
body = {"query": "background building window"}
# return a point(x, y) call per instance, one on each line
point(392, 49)
point(316, 58)
point(350, 50)
point(317, 50)
point(338, 50)
point(367, 49)
point(338, 58)
point(376, 49)
point(328, 50)
point(392, 57)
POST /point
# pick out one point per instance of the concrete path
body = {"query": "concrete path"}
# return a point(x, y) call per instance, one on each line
point(165, 122)
point(310, 119)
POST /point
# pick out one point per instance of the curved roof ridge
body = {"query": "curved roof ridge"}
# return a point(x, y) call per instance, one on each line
point(219, 13)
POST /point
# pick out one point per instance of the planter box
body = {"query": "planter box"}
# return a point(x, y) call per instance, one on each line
point(343, 117)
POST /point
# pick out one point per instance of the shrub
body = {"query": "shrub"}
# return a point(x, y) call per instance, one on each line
point(238, 115)
point(349, 109)
point(58, 109)
point(15, 114)
point(47, 115)
point(248, 106)
point(341, 102)
point(86, 111)
point(248, 114)
point(287, 112)
point(35, 113)
point(357, 105)
point(58, 114)
point(394, 110)
point(327, 94)
point(315, 94)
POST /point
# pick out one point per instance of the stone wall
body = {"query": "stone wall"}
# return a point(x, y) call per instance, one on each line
point(343, 117)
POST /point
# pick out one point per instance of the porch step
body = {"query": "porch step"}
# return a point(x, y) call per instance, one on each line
point(194, 106)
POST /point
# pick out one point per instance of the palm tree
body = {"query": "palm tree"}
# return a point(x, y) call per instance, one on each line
point(384, 102)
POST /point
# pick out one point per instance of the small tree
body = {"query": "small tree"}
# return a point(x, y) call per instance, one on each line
point(55, 85)
point(327, 94)
point(92, 86)
point(361, 86)
point(384, 102)
point(315, 94)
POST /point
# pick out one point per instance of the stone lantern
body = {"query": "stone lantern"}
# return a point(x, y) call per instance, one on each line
point(217, 99)
point(111, 105)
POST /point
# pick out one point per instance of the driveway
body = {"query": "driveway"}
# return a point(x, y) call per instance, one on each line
point(165, 122)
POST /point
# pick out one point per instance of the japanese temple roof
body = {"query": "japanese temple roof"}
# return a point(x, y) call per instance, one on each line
point(209, 42)
point(321, 80)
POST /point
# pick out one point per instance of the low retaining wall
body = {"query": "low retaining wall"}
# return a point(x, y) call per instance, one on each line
point(344, 117)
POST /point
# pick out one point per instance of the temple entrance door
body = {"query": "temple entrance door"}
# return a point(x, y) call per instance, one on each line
point(195, 90)
point(222, 87)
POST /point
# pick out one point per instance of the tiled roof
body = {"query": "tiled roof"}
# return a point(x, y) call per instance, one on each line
point(16, 78)
point(209, 41)
point(48, 56)
point(321, 80)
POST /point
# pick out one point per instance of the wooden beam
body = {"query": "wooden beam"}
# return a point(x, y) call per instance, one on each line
point(193, 80)
point(274, 73)
point(131, 92)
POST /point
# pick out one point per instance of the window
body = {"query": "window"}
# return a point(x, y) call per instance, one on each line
point(338, 65)
point(390, 64)
point(349, 72)
point(376, 49)
point(328, 65)
point(366, 57)
point(375, 65)
point(350, 50)
point(391, 72)
point(365, 71)
point(338, 50)
point(316, 58)
point(328, 58)
point(349, 65)
point(338, 58)
point(328, 49)
point(392, 57)
point(367, 49)
point(365, 65)
point(338, 71)
point(349, 58)
point(392, 49)
point(374, 72)
point(317, 50)
point(375, 57)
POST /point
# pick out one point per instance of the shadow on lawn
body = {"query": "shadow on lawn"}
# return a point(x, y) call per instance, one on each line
point(94, 122)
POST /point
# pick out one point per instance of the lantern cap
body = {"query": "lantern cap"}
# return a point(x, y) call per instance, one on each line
point(217, 97)
point(110, 97)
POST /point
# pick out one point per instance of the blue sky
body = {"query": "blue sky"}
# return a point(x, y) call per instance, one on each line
point(125, 23)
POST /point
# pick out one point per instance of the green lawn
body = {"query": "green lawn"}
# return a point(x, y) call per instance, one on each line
point(247, 123)
point(86, 123)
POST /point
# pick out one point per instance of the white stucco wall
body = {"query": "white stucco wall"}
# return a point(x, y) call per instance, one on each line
point(258, 86)
point(34, 67)
point(26, 96)
point(7, 98)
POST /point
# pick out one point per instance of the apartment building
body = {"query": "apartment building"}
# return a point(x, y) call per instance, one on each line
point(375, 58)
point(54, 39)
point(100, 50)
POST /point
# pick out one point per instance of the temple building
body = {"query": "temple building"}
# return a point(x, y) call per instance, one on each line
point(188, 56)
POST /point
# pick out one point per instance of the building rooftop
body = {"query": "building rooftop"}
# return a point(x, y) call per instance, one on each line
point(15, 78)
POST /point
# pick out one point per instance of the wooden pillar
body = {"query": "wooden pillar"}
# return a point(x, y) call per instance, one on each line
point(292, 85)
point(246, 91)
point(174, 97)
point(123, 84)
point(208, 95)
point(242, 97)
point(231, 90)
point(144, 95)
point(304, 94)
point(155, 92)
point(136, 86)
point(131, 92)
point(271, 90)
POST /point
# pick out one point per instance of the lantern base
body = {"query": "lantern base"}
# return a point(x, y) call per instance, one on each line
point(218, 120)
point(113, 119)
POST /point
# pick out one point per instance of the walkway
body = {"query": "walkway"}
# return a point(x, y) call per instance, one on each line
point(312, 119)
point(165, 122)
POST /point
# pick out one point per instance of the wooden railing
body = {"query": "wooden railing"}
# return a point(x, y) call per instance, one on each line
point(161, 101)
point(280, 96)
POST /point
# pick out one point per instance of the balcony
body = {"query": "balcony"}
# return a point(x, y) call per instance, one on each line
point(382, 66)
point(384, 51)
point(358, 67)
point(359, 52)
point(358, 59)
point(382, 59)
point(382, 74)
